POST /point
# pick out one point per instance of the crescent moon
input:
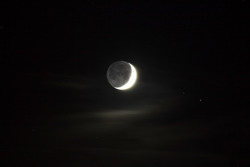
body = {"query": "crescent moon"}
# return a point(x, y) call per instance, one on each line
point(131, 81)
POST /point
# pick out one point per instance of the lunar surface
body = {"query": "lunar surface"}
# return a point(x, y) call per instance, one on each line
point(121, 75)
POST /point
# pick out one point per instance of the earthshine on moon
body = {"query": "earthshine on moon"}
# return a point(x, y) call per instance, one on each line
point(121, 75)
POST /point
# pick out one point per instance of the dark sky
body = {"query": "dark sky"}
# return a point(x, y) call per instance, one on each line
point(188, 107)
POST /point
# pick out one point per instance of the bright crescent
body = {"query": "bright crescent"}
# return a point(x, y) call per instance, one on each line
point(131, 80)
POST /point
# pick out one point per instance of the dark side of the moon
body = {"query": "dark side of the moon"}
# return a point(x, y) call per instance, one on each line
point(118, 73)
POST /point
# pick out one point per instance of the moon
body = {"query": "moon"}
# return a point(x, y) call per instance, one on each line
point(121, 75)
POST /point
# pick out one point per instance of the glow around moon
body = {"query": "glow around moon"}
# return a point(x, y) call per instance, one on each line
point(131, 80)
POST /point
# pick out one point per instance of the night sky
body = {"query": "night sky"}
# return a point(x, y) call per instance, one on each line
point(187, 108)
